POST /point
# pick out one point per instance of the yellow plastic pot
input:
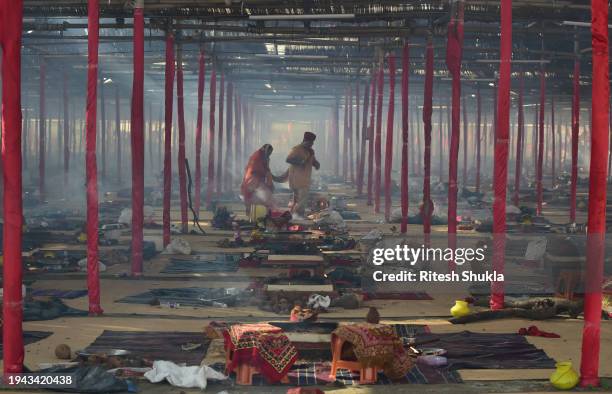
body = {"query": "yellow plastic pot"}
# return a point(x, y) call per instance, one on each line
point(564, 378)
point(460, 309)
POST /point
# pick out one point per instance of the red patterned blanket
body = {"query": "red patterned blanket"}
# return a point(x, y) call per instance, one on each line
point(377, 345)
point(260, 345)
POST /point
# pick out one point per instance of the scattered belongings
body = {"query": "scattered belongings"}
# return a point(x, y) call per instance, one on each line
point(178, 246)
point(63, 352)
point(533, 309)
point(91, 379)
point(182, 376)
point(191, 296)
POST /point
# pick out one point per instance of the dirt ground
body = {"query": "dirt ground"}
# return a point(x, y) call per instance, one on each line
point(80, 332)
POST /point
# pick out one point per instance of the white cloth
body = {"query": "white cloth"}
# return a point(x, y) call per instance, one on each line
point(178, 246)
point(536, 249)
point(182, 376)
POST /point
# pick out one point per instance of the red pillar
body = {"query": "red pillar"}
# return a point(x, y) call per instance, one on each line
point(589, 366)
point(118, 132)
point(378, 139)
point(42, 132)
point(454, 51)
point(404, 173)
point(364, 138)
point(182, 171)
point(371, 137)
point(389, 142)
point(553, 140)
point(169, 101)
point(540, 164)
point(478, 110)
point(210, 186)
point(137, 133)
point(427, 112)
point(229, 129)
point(66, 130)
point(440, 143)
point(11, 17)
point(238, 136)
point(519, 142)
point(345, 138)
point(357, 135)
point(93, 276)
point(198, 136)
point(219, 184)
point(350, 137)
point(500, 162)
point(575, 131)
point(465, 142)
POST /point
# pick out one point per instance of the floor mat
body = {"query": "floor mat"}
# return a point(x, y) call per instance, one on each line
point(154, 345)
point(30, 337)
point(188, 296)
point(66, 294)
point(202, 263)
point(48, 309)
point(317, 373)
point(470, 350)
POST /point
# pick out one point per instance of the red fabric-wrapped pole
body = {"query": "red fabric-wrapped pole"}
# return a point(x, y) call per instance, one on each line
point(345, 138)
point(371, 137)
point(478, 110)
point(378, 140)
point(404, 173)
point(540, 163)
point(118, 132)
point(210, 186)
point(553, 140)
point(519, 142)
point(389, 142)
point(440, 143)
point(180, 108)
point(11, 17)
point(596, 232)
point(229, 129)
point(137, 141)
point(42, 132)
point(575, 131)
point(364, 138)
point(93, 276)
point(238, 135)
point(357, 135)
point(465, 142)
point(454, 49)
point(219, 168)
point(350, 138)
point(427, 112)
point(66, 130)
point(336, 137)
point(168, 103)
point(500, 162)
point(198, 136)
